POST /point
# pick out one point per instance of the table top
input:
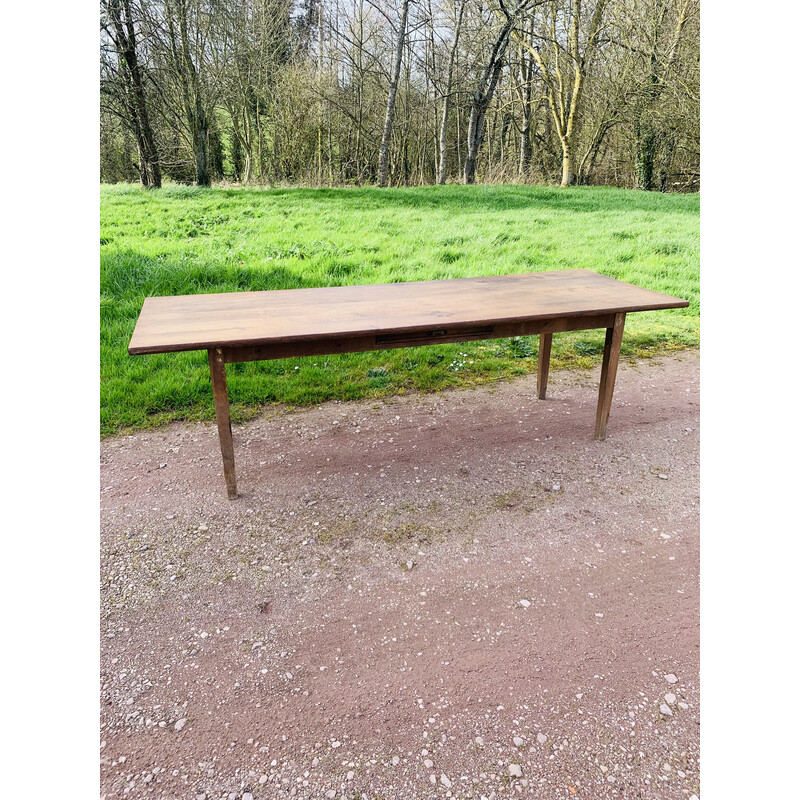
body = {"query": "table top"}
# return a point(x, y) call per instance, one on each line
point(240, 319)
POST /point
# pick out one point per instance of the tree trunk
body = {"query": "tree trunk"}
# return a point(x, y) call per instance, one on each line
point(525, 146)
point(481, 99)
point(200, 140)
point(383, 158)
point(645, 137)
point(566, 162)
point(124, 37)
point(446, 105)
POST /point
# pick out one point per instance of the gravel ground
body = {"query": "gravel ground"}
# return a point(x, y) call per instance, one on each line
point(458, 595)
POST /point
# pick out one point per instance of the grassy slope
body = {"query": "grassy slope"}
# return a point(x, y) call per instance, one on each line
point(184, 240)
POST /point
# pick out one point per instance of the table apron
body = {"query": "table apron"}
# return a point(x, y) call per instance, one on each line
point(390, 341)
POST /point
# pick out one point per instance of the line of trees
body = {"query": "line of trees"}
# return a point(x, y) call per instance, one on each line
point(402, 92)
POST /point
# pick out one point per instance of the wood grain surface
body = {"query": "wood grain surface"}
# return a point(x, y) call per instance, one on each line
point(242, 319)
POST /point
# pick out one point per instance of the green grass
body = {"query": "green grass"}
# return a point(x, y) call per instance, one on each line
point(187, 240)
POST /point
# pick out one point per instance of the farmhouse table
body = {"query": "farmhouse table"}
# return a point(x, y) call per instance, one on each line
point(252, 326)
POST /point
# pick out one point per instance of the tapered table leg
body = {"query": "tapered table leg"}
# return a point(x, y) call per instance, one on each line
point(219, 384)
point(545, 341)
point(608, 375)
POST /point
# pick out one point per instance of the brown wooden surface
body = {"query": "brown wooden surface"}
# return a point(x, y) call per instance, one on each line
point(219, 385)
point(360, 344)
point(545, 345)
point(456, 306)
point(608, 375)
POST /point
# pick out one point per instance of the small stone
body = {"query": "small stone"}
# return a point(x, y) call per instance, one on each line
point(479, 741)
point(315, 762)
point(670, 698)
point(667, 768)
point(395, 760)
point(556, 487)
point(670, 678)
point(515, 770)
point(541, 738)
point(263, 779)
point(683, 705)
point(409, 565)
point(247, 796)
point(525, 603)
point(330, 794)
point(433, 779)
point(663, 476)
point(445, 780)
point(351, 775)
point(518, 741)
point(428, 763)
point(666, 710)
point(180, 723)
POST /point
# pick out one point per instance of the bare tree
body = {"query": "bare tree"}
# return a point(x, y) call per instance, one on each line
point(447, 95)
point(120, 25)
point(483, 93)
point(646, 32)
point(383, 159)
point(564, 61)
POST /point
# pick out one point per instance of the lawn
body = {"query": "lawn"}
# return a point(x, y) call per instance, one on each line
point(186, 240)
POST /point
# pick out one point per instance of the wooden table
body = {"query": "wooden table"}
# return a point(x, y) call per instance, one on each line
point(250, 326)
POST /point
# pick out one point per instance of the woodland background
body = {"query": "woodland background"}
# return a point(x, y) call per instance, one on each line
point(404, 93)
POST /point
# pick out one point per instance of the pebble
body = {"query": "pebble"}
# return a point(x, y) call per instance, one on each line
point(446, 781)
point(428, 763)
point(180, 723)
point(515, 770)
point(541, 738)
point(433, 779)
point(315, 762)
point(670, 698)
point(556, 487)
point(247, 796)
point(479, 741)
point(351, 775)
point(663, 476)
point(666, 710)
point(263, 779)
point(670, 678)
point(525, 603)
point(683, 705)
point(518, 741)
point(395, 760)
point(330, 794)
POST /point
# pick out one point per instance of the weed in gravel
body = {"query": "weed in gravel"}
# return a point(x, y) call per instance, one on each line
point(410, 533)
point(504, 500)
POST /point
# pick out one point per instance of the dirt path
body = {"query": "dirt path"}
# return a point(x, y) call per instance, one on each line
point(402, 589)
